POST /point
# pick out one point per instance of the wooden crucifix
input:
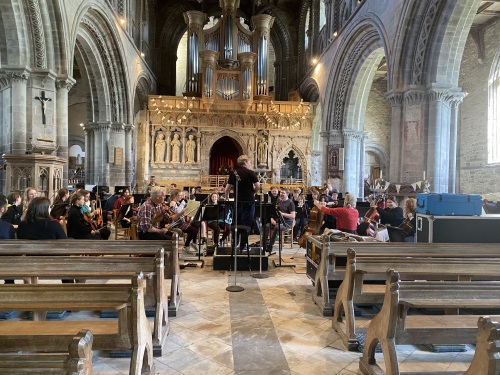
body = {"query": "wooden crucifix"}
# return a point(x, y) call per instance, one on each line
point(44, 101)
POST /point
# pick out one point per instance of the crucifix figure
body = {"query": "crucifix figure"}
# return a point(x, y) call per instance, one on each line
point(44, 101)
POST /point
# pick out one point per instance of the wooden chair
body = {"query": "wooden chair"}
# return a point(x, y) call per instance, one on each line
point(288, 233)
point(63, 222)
point(120, 232)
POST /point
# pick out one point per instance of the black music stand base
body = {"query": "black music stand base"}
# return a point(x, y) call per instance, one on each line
point(260, 275)
point(235, 288)
point(192, 262)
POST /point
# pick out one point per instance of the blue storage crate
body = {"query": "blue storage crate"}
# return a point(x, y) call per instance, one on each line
point(449, 204)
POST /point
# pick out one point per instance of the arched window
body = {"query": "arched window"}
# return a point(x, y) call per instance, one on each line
point(494, 111)
point(322, 14)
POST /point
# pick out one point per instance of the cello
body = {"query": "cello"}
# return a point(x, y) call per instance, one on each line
point(372, 217)
point(314, 223)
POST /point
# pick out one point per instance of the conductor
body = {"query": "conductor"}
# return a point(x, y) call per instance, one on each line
point(248, 185)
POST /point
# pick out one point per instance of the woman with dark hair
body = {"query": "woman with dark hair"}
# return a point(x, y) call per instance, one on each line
point(60, 205)
point(37, 223)
point(77, 226)
point(126, 212)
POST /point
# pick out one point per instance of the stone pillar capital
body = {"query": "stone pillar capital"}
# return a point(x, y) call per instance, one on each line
point(396, 99)
point(16, 74)
point(65, 82)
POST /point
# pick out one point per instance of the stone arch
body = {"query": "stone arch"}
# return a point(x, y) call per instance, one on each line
point(18, 51)
point(305, 9)
point(142, 88)
point(381, 155)
point(224, 133)
point(452, 29)
point(97, 42)
point(348, 81)
point(310, 90)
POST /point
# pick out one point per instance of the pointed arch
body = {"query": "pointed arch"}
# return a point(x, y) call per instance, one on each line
point(351, 74)
point(14, 50)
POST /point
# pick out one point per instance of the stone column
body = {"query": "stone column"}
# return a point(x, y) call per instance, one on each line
point(438, 139)
point(397, 121)
point(63, 85)
point(100, 170)
point(129, 157)
point(329, 18)
point(352, 160)
point(18, 79)
point(362, 162)
point(455, 100)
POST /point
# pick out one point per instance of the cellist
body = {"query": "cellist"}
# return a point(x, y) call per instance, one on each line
point(347, 216)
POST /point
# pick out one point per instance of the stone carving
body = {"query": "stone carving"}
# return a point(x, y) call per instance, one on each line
point(160, 147)
point(262, 152)
point(190, 149)
point(176, 148)
point(38, 34)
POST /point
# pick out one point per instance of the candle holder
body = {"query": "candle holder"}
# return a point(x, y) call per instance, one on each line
point(426, 186)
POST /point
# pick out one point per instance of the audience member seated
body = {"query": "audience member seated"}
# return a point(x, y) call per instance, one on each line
point(14, 210)
point(6, 229)
point(37, 223)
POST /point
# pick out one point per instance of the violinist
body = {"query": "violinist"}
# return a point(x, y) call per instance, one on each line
point(119, 201)
point(223, 223)
point(94, 216)
point(148, 227)
point(410, 221)
point(178, 206)
point(284, 208)
point(392, 215)
point(329, 221)
point(60, 206)
point(347, 216)
point(126, 211)
point(77, 226)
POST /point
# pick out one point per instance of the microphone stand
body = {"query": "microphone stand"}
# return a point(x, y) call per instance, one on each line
point(260, 275)
point(235, 287)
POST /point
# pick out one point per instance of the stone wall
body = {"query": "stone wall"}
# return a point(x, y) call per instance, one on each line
point(474, 173)
point(378, 116)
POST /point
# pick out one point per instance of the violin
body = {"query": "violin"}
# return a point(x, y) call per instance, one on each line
point(163, 215)
point(406, 226)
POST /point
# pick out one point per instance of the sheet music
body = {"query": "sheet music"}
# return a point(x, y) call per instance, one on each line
point(192, 207)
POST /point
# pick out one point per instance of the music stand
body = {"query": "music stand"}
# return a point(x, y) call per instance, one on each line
point(190, 261)
point(260, 275)
point(235, 287)
point(280, 221)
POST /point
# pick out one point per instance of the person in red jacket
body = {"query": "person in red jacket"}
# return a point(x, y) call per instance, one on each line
point(347, 216)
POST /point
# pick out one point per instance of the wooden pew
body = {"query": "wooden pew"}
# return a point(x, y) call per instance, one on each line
point(78, 360)
point(331, 267)
point(108, 267)
point(486, 358)
point(410, 265)
point(99, 248)
point(131, 331)
point(393, 325)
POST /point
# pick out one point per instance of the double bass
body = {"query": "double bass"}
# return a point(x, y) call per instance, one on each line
point(314, 224)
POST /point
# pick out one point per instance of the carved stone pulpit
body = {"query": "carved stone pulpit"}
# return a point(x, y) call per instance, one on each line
point(43, 172)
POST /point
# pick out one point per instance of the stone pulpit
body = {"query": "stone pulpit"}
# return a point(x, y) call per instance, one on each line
point(42, 171)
